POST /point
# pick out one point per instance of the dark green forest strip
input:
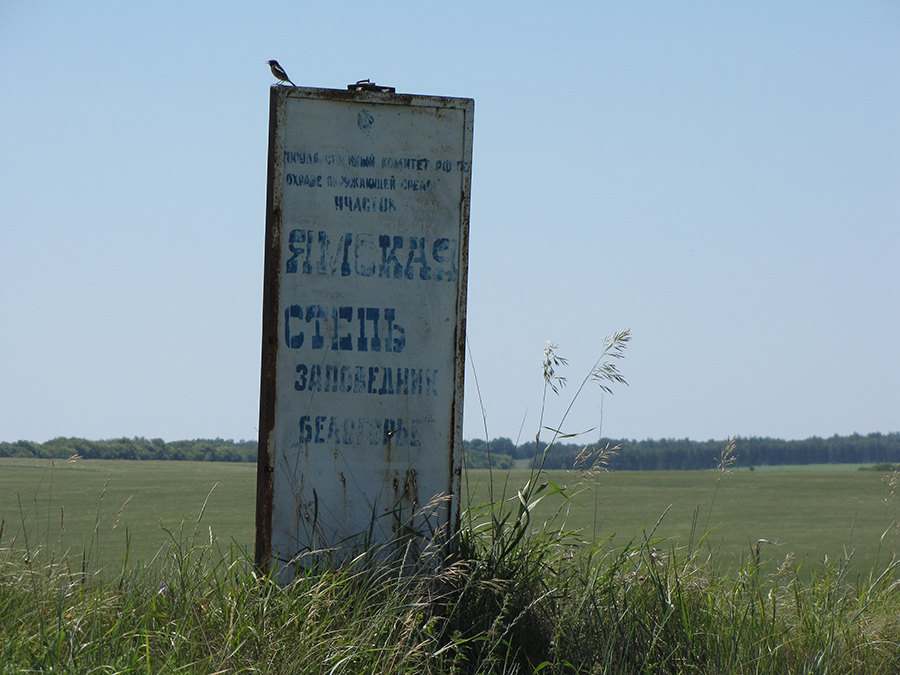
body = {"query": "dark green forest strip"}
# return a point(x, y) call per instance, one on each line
point(630, 455)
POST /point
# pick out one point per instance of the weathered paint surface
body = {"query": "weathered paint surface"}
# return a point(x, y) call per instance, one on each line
point(364, 320)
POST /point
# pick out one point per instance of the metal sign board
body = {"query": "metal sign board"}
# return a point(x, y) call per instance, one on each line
point(363, 321)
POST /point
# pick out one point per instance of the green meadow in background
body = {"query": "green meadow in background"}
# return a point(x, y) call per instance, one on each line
point(99, 509)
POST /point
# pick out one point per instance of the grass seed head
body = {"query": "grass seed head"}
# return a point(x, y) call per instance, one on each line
point(727, 458)
point(550, 362)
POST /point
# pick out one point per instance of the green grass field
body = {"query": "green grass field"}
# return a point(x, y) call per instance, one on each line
point(91, 506)
point(60, 504)
point(807, 511)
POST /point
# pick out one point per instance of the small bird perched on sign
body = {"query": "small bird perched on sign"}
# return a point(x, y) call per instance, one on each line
point(278, 72)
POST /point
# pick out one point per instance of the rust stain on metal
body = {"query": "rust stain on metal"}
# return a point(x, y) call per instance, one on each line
point(389, 435)
point(411, 488)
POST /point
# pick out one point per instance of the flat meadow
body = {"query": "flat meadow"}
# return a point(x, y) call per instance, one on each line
point(809, 512)
point(98, 509)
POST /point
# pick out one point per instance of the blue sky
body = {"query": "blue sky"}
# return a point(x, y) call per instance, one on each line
point(722, 180)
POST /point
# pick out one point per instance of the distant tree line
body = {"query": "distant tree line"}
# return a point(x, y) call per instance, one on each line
point(216, 450)
point(501, 453)
point(685, 454)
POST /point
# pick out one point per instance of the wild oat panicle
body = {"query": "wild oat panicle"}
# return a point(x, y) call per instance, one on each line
point(550, 362)
point(727, 458)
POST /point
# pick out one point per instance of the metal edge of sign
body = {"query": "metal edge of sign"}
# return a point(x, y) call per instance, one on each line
point(265, 472)
point(456, 447)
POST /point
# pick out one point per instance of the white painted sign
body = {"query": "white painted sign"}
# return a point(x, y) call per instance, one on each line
point(364, 321)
